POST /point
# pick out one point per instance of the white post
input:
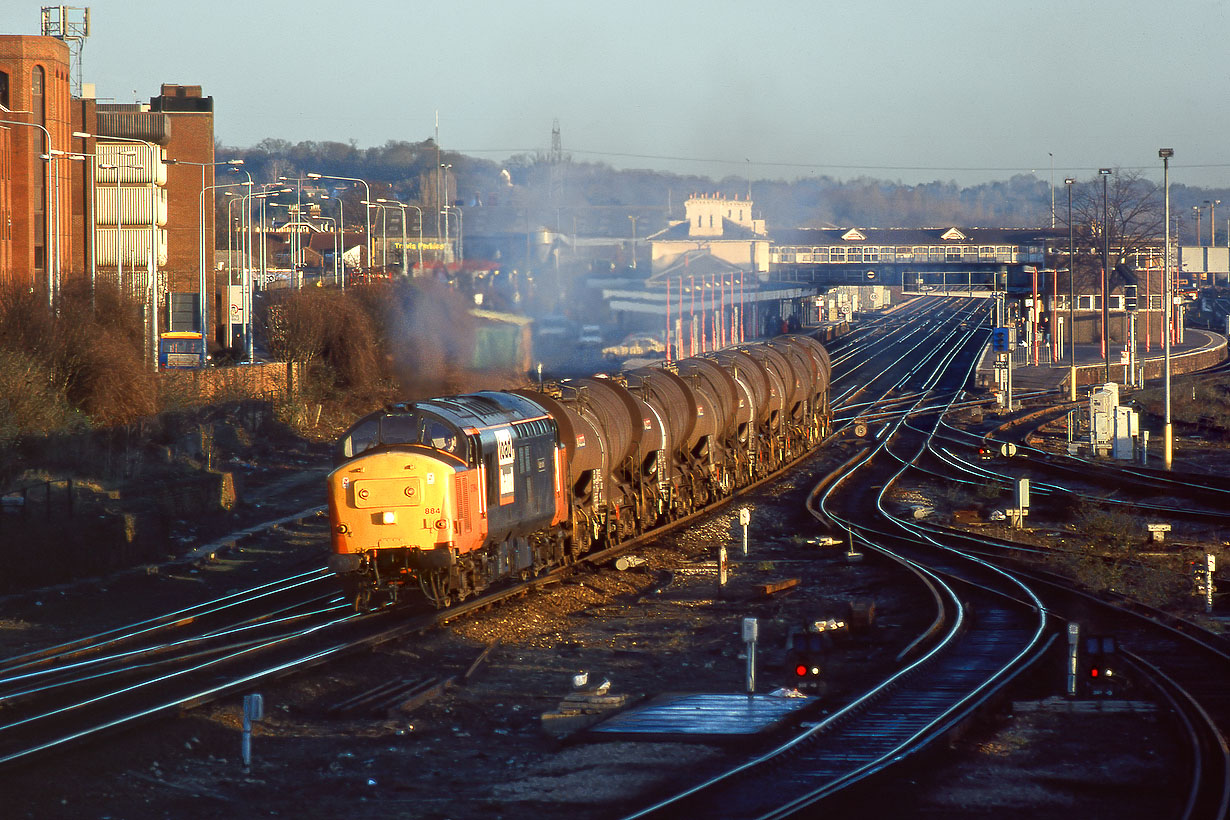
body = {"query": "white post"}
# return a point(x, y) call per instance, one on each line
point(1074, 631)
point(745, 518)
point(253, 710)
point(751, 630)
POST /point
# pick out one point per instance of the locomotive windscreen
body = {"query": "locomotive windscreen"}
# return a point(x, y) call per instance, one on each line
point(399, 429)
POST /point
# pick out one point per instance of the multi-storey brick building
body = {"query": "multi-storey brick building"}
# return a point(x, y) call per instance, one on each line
point(35, 118)
point(87, 188)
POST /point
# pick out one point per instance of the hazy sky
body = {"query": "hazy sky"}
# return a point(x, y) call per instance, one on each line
point(964, 90)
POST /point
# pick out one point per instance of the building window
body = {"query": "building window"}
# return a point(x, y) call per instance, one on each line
point(37, 83)
point(1084, 302)
point(1116, 302)
point(4, 90)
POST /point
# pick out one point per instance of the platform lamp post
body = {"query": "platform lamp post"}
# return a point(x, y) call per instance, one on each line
point(1105, 172)
point(50, 215)
point(1167, 429)
point(367, 195)
point(1068, 183)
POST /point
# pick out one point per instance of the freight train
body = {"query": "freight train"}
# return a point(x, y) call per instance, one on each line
point(444, 497)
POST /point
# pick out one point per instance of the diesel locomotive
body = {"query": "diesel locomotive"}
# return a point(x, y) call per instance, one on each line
point(444, 497)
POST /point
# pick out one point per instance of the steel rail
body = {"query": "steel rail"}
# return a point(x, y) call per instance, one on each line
point(845, 772)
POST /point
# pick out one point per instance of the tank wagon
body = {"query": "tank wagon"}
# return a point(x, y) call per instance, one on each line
point(444, 497)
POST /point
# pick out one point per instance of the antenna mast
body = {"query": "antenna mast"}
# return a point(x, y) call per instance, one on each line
point(72, 29)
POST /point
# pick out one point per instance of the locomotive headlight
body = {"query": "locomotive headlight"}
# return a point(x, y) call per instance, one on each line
point(388, 517)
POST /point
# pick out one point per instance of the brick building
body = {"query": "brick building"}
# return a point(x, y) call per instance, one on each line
point(88, 188)
point(35, 119)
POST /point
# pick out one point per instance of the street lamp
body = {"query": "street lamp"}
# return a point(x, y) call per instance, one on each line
point(203, 290)
point(460, 255)
point(332, 225)
point(1105, 172)
point(403, 206)
point(1213, 221)
point(51, 215)
point(633, 217)
point(442, 198)
point(1167, 430)
point(384, 239)
point(339, 265)
point(368, 194)
point(1052, 156)
point(1196, 215)
point(1068, 183)
point(202, 286)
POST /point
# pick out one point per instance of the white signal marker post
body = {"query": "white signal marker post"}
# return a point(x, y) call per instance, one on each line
point(1074, 637)
point(751, 630)
point(745, 518)
point(721, 567)
point(253, 710)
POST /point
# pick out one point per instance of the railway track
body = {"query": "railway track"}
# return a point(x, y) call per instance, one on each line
point(962, 596)
point(961, 663)
point(75, 691)
point(1175, 666)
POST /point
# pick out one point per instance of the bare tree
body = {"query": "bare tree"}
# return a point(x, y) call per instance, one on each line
point(1131, 217)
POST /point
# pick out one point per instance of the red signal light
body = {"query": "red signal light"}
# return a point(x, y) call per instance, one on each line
point(801, 671)
point(1093, 673)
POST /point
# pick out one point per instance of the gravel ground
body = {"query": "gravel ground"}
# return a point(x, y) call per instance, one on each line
point(480, 751)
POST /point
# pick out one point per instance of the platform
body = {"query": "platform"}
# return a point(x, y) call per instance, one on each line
point(1200, 348)
point(703, 717)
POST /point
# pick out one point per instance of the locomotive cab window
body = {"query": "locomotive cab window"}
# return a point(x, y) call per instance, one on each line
point(404, 428)
point(362, 437)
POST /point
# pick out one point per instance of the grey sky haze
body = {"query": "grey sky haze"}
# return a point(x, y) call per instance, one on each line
point(912, 91)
